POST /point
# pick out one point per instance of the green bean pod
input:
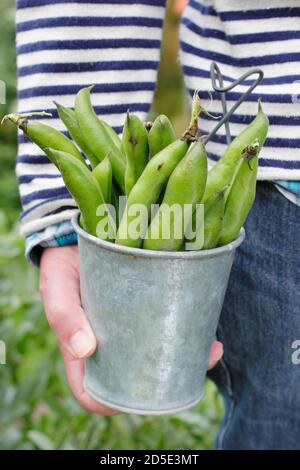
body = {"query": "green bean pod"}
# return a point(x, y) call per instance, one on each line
point(103, 174)
point(240, 198)
point(68, 117)
point(223, 171)
point(213, 220)
point(114, 137)
point(96, 137)
point(161, 135)
point(83, 187)
point(152, 181)
point(45, 136)
point(148, 187)
point(186, 185)
point(209, 227)
point(136, 149)
point(115, 194)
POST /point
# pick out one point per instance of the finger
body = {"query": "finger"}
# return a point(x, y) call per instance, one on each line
point(216, 353)
point(61, 294)
point(75, 373)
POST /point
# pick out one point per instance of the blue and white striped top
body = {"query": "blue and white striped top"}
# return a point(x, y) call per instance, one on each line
point(64, 45)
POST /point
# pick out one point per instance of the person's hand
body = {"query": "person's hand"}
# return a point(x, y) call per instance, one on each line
point(59, 287)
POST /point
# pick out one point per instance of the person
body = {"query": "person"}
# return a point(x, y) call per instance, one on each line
point(63, 46)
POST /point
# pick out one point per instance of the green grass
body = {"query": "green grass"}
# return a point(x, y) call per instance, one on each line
point(36, 407)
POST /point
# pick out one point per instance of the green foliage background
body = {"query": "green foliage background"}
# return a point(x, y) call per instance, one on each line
point(37, 410)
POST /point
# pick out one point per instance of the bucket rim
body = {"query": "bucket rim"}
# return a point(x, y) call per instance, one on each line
point(143, 253)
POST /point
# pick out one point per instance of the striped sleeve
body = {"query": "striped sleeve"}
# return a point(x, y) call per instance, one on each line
point(239, 35)
point(62, 46)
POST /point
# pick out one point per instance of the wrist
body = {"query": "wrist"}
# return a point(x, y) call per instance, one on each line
point(58, 235)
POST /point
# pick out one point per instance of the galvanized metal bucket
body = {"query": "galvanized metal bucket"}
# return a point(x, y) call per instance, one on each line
point(155, 315)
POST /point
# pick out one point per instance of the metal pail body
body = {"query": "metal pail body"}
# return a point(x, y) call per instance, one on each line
point(155, 315)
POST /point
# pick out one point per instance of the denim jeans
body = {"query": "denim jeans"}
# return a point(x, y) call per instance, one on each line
point(259, 323)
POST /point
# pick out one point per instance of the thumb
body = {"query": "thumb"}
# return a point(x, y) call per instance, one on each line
point(59, 286)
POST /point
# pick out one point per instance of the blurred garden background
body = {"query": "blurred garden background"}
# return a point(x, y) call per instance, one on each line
point(37, 410)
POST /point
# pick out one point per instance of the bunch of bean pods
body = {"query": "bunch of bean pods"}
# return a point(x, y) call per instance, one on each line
point(149, 165)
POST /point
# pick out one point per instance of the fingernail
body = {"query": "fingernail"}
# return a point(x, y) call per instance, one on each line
point(81, 344)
